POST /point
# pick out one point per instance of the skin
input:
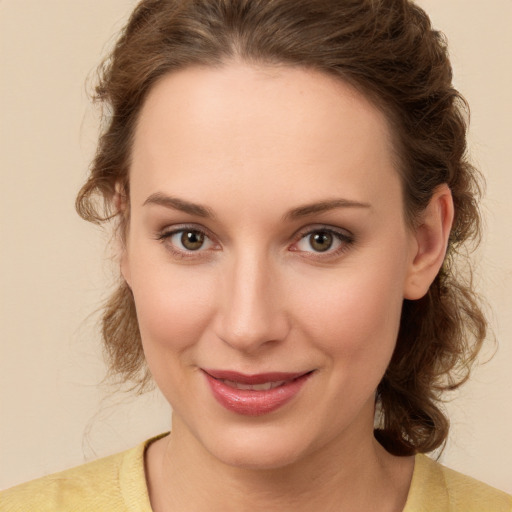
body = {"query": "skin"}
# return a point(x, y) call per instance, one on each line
point(251, 146)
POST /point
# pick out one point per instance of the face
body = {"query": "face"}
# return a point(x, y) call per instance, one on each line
point(268, 256)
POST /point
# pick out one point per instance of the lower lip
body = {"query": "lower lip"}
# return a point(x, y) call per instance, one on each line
point(250, 402)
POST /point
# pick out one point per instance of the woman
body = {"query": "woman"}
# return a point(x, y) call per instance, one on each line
point(290, 187)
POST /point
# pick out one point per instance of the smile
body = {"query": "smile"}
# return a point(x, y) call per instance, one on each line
point(254, 395)
point(255, 387)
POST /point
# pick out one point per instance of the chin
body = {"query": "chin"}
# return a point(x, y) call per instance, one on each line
point(257, 449)
point(256, 458)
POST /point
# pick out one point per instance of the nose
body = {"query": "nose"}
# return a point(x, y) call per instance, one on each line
point(252, 314)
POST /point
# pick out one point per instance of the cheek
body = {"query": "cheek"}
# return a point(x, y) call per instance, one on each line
point(173, 305)
point(174, 308)
point(354, 317)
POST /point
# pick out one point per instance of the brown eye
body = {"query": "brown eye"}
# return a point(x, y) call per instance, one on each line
point(321, 241)
point(192, 240)
point(188, 242)
point(324, 242)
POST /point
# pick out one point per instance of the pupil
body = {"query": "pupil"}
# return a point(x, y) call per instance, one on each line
point(321, 241)
point(192, 240)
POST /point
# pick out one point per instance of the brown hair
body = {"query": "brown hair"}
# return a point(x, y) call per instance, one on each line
point(388, 50)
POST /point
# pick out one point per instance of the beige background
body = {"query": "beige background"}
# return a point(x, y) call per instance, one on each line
point(53, 273)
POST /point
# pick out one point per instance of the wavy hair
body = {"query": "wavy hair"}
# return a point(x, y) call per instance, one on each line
point(388, 50)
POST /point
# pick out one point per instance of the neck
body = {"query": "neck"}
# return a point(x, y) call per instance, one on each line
point(348, 474)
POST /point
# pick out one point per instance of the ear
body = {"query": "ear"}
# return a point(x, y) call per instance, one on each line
point(121, 205)
point(430, 243)
point(124, 264)
point(119, 199)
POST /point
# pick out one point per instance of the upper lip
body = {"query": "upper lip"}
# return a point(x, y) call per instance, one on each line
point(259, 378)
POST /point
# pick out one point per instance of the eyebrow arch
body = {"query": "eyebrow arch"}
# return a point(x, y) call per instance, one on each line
point(323, 206)
point(174, 203)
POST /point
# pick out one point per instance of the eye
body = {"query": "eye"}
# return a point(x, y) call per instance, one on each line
point(186, 240)
point(320, 241)
point(323, 240)
point(189, 240)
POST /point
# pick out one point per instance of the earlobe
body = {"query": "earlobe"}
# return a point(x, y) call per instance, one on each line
point(431, 241)
point(124, 260)
point(125, 267)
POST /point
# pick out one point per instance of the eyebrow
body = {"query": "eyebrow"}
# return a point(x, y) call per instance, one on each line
point(323, 206)
point(175, 203)
point(179, 204)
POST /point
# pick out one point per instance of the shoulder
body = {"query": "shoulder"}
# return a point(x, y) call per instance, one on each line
point(105, 484)
point(89, 484)
point(436, 487)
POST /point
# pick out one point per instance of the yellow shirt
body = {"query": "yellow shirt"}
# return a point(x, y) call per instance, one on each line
point(118, 484)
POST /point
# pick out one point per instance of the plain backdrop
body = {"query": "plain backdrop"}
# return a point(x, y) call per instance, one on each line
point(55, 270)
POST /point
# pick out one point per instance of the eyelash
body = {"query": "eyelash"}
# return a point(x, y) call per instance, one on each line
point(165, 238)
point(344, 239)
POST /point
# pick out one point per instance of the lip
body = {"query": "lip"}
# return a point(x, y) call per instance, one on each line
point(251, 402)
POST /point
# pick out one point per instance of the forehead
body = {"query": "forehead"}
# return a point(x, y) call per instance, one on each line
point(297, 128)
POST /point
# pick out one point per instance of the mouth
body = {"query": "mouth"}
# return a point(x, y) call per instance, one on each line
point(254, 395)
point(255, 387)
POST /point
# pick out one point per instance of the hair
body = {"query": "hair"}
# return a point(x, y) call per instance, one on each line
point(386, 49)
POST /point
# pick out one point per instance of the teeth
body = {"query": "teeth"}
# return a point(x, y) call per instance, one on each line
point(254, 387)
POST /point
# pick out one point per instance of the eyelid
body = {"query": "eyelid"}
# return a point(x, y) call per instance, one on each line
point(345, 238)
point(164, 235)
point(315, 228)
